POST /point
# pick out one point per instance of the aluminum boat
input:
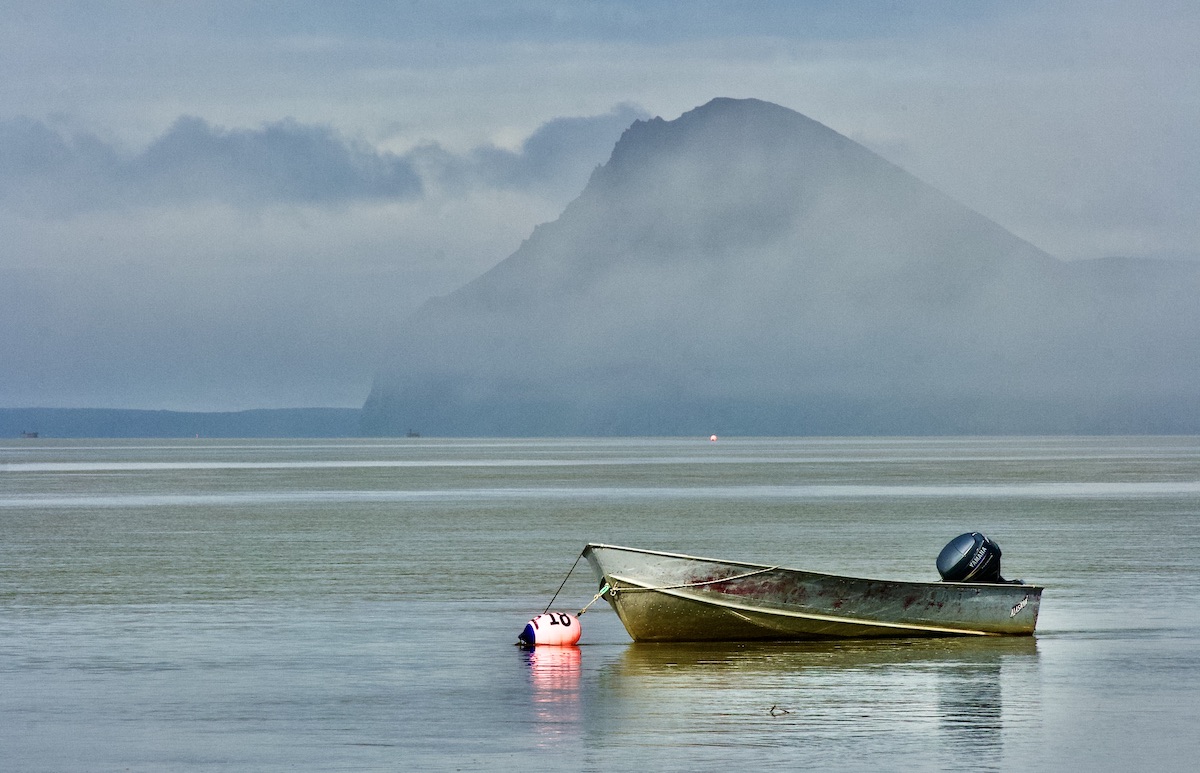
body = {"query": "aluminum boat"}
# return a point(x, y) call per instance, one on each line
point(671, 597)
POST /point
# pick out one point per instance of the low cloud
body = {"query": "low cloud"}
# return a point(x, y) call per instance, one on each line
point(50, 172)
point(281, 162)
point(556, 159)
point(46, 171)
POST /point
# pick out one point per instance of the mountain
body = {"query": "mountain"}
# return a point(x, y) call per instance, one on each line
point(744, 269)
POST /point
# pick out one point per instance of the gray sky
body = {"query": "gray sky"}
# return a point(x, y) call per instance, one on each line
point(226, 205)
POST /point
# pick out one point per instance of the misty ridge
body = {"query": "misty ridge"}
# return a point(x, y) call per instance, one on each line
point(746, 270)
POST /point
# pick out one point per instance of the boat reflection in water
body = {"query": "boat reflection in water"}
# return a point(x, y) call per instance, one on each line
point(969, 707)
point(554, 677)
point(909, 702)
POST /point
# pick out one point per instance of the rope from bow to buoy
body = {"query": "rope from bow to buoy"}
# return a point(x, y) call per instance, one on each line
point(564, 582)
point(604, 589)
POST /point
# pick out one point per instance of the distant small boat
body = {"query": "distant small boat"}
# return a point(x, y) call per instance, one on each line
point(29, 435)
point(670, 597)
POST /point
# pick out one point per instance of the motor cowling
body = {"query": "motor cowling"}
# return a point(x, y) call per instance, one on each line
point(970, 557)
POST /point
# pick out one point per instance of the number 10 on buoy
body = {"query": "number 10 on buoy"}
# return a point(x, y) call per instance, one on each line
point(551, 628)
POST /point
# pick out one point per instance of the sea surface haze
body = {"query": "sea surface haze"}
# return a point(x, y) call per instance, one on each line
point(353, 605)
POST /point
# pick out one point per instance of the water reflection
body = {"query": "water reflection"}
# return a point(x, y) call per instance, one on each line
point(773, 657)
point(910, 703)
point(554, 676)
point(969, 710)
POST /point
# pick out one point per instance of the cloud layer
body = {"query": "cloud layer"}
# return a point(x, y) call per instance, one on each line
point(232, 268)
point(47, 172)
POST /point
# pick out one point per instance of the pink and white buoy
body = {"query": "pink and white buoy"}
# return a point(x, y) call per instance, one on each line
point(557, 629)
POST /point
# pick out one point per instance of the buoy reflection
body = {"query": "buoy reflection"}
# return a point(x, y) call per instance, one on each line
point(554, 674)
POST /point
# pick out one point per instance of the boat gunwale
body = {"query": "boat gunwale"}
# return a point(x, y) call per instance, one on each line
point(753, 565)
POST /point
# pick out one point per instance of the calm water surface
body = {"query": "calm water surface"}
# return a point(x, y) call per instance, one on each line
point(352, 605)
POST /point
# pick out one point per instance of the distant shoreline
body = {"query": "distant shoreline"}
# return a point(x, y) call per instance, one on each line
point(122, 423)
point(135, 423)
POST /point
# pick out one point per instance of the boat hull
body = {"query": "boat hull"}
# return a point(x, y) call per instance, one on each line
point(670, 597)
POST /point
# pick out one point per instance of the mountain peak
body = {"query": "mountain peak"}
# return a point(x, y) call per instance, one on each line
point(723, 130)
point(744, 266)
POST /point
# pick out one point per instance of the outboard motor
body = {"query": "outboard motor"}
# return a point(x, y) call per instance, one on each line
point(970, 558)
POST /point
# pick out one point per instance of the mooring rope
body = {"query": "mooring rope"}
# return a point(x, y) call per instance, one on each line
point(605, 588)
point(564, 582)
